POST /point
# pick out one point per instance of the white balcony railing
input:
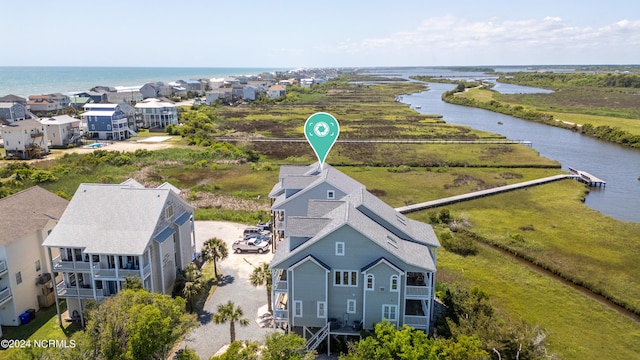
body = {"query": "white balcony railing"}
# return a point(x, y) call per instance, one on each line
point(417, 291)
point(416, 321)
point(280, 314)
point(61, 265)
point(3, 267)
point(5, 295)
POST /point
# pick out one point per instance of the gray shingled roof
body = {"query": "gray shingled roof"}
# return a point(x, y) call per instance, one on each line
point(111, 219)
point(28, 211)
point(302, 226)
point(412, 253)
point(401, 226)
point(330, 175)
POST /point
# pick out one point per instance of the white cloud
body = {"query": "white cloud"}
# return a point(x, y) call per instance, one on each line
point(503, 41)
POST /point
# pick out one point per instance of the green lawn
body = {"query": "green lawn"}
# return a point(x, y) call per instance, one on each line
point(44, 327)
point(578, 327)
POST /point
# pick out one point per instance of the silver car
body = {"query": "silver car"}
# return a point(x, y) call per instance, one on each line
point(253, 244)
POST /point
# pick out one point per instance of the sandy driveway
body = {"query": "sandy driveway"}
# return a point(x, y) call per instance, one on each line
point(208, 338)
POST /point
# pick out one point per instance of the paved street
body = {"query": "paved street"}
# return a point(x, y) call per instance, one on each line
point(209, 337)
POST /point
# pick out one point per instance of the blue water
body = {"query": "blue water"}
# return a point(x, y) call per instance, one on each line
point(25, 81)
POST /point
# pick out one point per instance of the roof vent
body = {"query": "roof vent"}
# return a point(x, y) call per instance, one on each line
point(391, 241)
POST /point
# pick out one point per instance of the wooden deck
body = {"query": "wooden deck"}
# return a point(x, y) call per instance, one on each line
point(587, 178)
point(479, 194)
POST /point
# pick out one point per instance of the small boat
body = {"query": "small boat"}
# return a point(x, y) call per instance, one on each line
point(417, 107)
point(499, 122)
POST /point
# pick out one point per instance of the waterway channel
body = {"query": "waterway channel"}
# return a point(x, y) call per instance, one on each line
point(619, 166)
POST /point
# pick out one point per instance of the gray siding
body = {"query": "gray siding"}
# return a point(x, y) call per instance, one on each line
point(308, 280)
point(298, 206)
point(375, 298)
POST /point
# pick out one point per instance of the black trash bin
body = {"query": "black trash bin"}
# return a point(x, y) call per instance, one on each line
point(32, 313)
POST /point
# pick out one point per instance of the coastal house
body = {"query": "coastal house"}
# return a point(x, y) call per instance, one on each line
point(223, 94)
point(155, 90)
point(299, 184)
point(155, 113)
point(62, 130)
point(11, 112)
point(99, 95)
point(49, 103)
point(193, 85)
point(106, 122)
point(25, 139)
point(276, 91)
point(13, 99)
point(77, 102)
point(125, 94)
point(110, 231)
point(348, 264)
point(25, 275)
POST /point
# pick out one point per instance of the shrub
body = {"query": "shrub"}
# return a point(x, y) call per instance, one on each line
point(458, 244)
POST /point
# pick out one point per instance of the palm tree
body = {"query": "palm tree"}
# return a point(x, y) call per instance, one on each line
point(214, 249)
point(193, 285)
point(229, 312)
point(262, 275)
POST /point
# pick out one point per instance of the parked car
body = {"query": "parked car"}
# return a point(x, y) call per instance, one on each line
point(250, 245)
point(264, 227)
point(262, 237)
point(251, 230)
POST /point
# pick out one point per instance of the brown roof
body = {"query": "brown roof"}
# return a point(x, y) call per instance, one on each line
point(28, 211)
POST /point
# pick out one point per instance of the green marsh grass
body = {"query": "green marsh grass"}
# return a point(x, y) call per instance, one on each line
point(551, 226)
point(578, 327)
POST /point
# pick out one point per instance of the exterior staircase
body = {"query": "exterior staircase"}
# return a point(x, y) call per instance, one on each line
point(318, 337)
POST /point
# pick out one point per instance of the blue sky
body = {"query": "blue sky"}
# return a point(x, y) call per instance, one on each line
point(298, 33)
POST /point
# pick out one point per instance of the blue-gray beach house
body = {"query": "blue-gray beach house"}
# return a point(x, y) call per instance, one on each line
point(345, 260)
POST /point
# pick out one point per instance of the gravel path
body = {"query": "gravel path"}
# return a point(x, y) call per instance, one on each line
point(209, 337)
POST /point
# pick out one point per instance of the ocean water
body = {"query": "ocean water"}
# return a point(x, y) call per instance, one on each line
point(25, 81)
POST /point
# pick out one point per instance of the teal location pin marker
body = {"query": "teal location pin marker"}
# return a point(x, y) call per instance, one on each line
point(321, 131)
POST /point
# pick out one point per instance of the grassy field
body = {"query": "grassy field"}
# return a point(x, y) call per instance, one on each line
point(546, 218)
point(578, 327)
point(550, 225)
point(578, 106)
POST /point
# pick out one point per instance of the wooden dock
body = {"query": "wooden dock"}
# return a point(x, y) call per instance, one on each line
point(587, 178)
point(479, 194)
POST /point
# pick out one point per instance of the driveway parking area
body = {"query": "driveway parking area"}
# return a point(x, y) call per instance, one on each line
point(209, 337)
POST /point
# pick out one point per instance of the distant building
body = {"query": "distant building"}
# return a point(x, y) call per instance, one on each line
point(25, 275)
point(125, 94)
point(193, 85)
point(111, 231)
point(25, 140)
point(62, 130)
point(155, 113)
point(13, 99)
point(11, 112)
point(49, 103)
point(106, 122)
point(276, 91)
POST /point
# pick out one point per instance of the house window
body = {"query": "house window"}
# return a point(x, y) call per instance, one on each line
point(370, 282)
point(394, 283)
point(340, 248)
point(389, 312)
point(18, 278)
point(37, 265)
point(321, 309)
point(345, 278)
point(351, 306)
point(331, 194)
point(169, 212)
point(297, 308)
